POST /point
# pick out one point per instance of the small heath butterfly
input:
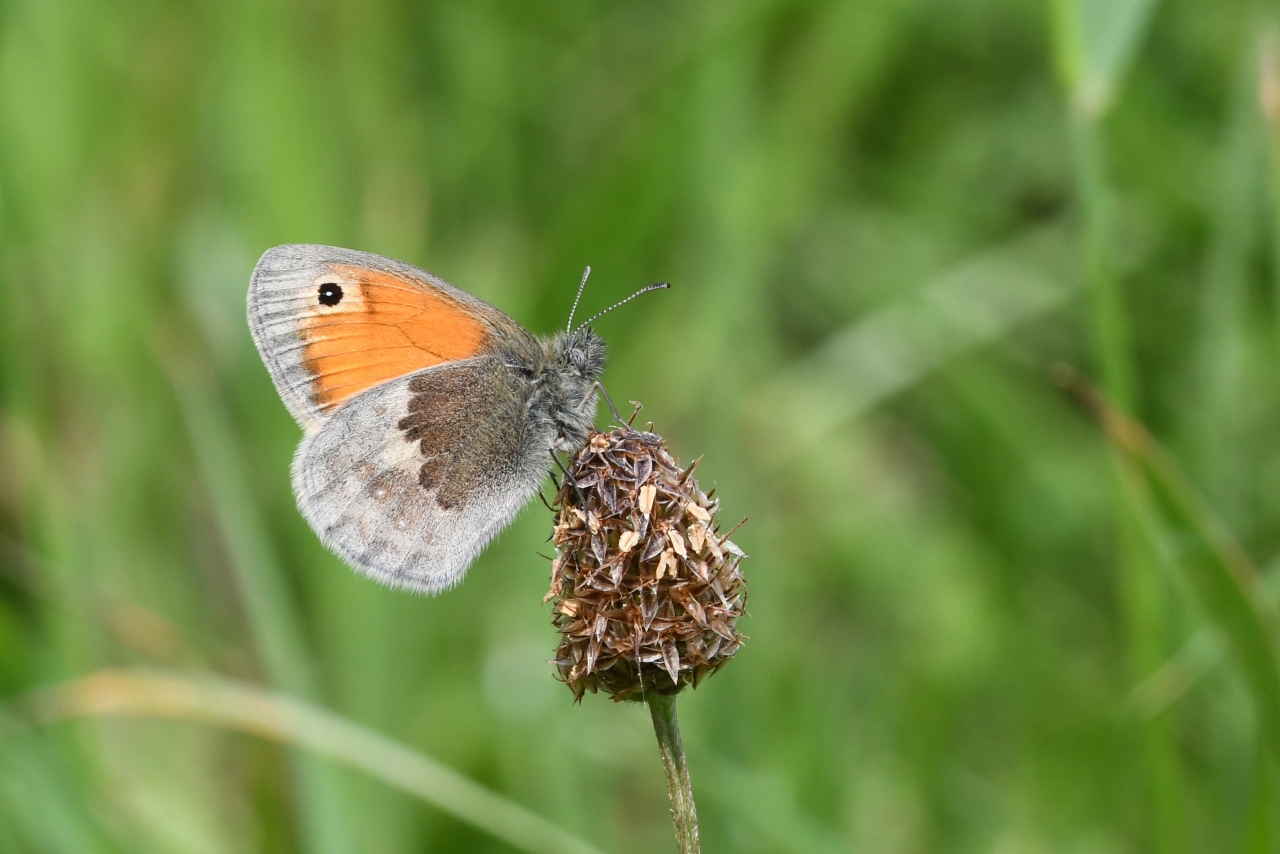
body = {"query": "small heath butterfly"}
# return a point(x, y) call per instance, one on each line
point(429, 417)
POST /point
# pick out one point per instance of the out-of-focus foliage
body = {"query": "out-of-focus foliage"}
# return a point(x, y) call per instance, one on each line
point(884, 223)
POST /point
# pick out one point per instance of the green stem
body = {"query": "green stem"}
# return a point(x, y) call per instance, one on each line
point(684, 815)
point(1108, 318)
point(1140, 590)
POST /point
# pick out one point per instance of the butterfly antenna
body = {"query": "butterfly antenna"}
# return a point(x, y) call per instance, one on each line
point(583, 284)
point(656, 287)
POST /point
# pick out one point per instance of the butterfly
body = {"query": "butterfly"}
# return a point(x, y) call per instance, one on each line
point(429, 417)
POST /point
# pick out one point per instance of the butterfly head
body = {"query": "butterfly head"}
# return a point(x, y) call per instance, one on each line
point(584, 354)
point(571, 364)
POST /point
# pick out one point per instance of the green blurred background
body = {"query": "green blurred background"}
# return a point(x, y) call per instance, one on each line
point(885, 224)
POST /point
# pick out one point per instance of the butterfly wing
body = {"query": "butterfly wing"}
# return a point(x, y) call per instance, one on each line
point(331, 323)
point(416, 449)
point(412, 506)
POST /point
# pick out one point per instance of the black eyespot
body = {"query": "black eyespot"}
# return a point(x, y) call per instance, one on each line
point(330, 294)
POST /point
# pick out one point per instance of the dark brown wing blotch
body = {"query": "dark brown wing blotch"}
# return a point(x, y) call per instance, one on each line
point(468, 423)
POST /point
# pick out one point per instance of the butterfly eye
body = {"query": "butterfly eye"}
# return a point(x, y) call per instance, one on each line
point(330, 294)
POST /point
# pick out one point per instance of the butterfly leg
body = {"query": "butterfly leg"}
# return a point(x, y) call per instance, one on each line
point(568, 478)
point(560, 464)
point(608, 400)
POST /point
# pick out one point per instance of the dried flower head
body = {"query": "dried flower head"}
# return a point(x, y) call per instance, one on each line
point(647, 592)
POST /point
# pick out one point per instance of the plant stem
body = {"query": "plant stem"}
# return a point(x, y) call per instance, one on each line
point(1108, 316)
point(1138, 576)
point(684, 815)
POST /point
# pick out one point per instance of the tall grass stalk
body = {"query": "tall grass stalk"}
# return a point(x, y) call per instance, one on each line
point(326, 819)
point(1139, 587)
point(1093, 68)
point(1226, 582)
point(1268, 53)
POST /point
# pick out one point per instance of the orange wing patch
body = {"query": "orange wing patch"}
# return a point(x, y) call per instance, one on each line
point(375, 326)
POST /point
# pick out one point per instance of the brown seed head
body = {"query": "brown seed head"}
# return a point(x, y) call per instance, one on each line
point(646, 591)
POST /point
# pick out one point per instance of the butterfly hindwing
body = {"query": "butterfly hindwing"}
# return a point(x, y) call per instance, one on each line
point(409, 480)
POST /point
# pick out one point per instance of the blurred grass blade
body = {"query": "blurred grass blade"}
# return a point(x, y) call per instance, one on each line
point(974, 303)
point(1221, 573)
point(273, 620)
point(1260, 832)
point(1096, 41)
point(1269, 100)
point(1225, 357)
point(1201, 653)
point(41, 802)
point(764, 806)
point(217, 702)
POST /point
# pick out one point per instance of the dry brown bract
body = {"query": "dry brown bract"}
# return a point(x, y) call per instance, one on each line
point(647, 592)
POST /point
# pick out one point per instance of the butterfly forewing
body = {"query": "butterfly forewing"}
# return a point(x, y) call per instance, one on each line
point(331, 323)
